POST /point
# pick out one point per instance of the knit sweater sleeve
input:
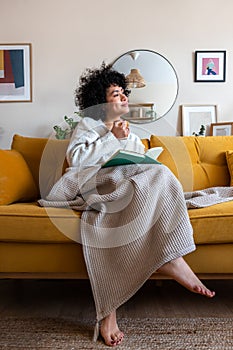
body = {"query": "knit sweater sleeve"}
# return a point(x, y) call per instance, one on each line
point(91, 144)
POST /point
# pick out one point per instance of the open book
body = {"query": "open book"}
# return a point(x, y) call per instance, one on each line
point(123, 157)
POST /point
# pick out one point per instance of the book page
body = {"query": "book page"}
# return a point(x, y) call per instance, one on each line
point(154, 152)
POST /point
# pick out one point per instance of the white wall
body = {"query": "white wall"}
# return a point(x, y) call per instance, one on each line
point(70, 35)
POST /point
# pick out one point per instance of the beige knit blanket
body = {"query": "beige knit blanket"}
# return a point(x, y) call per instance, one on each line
point(134, 220)
point(208, 197)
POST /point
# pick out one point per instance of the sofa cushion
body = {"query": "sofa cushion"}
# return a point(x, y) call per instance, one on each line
point(146, 143)
point(213, 225)
point(45, 158)
point(16, 181)
point(198, 162)
point(28, 222)
point(31, 149)
point(229, 157)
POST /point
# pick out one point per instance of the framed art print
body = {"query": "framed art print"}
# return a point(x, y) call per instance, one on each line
point(15, 73)
point(221, 129)
point(210, 66)
point(194, 116)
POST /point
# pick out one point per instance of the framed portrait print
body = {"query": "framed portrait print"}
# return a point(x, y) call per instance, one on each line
point(15, 73)
point(194, 117)
point(221, 129)
point(210, 66)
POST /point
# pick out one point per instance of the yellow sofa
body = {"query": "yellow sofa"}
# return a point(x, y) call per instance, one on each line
point(38, 242)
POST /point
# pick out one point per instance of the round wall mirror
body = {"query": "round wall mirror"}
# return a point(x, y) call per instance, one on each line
point(153, 83)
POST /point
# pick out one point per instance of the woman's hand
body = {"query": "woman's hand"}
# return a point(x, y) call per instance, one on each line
point(120, 129)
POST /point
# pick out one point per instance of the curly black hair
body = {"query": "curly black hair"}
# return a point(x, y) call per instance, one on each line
point(92, 88)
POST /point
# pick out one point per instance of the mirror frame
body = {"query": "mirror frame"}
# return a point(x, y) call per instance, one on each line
point(169, 107)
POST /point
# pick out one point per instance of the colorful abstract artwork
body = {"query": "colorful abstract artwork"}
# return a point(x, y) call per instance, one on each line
point(15, 73)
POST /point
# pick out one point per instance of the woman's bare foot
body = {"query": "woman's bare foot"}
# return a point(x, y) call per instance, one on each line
point(109, 330)
point(180, 271)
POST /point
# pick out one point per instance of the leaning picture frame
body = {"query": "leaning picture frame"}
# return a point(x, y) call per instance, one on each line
point(196, 116)
point(221, 129)
point(15, 73)
point(210, 66)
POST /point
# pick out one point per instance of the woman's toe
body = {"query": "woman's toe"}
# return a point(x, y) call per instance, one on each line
point(120, 337)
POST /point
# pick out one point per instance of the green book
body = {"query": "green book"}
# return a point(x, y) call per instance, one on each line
point(124, 157)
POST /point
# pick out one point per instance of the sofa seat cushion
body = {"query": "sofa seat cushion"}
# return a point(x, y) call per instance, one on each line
point(31, 223)
point(28, 222)
point(214, 224)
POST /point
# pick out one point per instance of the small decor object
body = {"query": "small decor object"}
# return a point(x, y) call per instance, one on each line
point(221, 129)
point(210, 66)
point(61, 132)
point(201, 132)
point(15, 73)
point(141, 112)
point(195, 117)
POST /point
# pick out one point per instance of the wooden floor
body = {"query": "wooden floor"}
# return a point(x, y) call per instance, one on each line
point(54, 298)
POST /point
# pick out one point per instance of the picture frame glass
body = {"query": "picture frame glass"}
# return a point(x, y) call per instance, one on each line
point(221, 129)
point(15, 73)
point(193, 117)
point(210, 66)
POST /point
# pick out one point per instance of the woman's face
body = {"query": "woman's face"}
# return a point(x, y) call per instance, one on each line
point(117, 103)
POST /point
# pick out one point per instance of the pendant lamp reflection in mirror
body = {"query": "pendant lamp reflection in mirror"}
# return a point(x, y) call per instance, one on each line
point(135, 79)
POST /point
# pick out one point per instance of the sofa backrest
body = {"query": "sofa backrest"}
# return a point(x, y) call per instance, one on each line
point(46, 159)
point(198, 162)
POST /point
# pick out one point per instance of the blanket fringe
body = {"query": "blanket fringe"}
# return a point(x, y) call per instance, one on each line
point(96, 332)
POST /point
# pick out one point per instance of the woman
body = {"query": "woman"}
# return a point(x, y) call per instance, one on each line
point(134, 215)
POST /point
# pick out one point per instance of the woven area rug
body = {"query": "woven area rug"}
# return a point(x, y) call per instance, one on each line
point(161, 333)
